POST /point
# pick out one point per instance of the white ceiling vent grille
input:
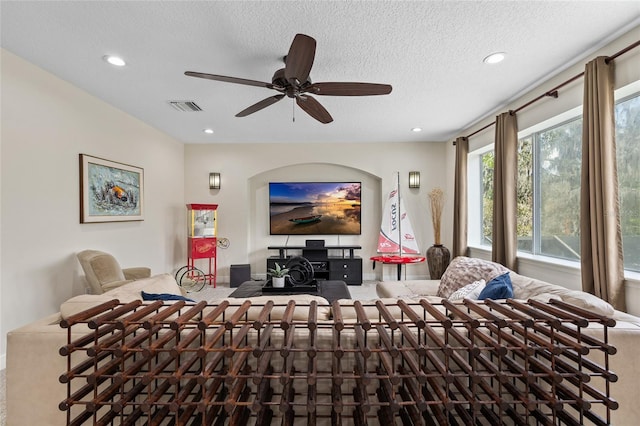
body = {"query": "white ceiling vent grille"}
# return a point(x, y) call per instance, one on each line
point(185, 106)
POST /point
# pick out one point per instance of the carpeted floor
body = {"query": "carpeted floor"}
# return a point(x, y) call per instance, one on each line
point(366, 291)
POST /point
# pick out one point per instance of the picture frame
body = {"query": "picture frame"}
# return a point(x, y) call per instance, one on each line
point(110, 191)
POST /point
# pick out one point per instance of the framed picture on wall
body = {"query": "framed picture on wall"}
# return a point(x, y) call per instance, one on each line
point(110, 191)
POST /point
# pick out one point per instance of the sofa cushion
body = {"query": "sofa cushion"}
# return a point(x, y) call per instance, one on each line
point(81, 303)
point(300, 313)
point(422, 287)
point(106, 269)
point(470, 291)
point(163, 283)
point(588, 301)
point(463, 271)
point(545, 297)
point(372, 312)
point(498, 288)
point(530, 288)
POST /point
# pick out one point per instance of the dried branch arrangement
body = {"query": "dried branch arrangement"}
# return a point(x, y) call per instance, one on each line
point(436, 205)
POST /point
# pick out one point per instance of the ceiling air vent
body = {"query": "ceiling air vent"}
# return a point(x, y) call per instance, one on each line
point(185, 106)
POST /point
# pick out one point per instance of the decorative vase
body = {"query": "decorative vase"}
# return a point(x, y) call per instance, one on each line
point(278, 281)
point(438, 257)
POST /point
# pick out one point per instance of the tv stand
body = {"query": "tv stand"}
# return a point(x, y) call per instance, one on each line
point(334, 263)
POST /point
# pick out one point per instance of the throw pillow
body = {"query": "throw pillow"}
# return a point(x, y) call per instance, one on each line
point(464, 270)
point(588, 301)
point(498, 288)
point(164, 296)
point(470, 291)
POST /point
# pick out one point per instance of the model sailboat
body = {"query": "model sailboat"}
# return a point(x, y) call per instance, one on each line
point(397, 243)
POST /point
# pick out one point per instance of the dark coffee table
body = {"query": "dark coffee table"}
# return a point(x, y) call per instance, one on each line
point(330, 290)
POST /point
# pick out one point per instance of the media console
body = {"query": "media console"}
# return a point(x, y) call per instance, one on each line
point(335, 263)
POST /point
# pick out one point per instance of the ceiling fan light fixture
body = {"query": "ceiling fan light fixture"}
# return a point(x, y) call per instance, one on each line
point(293, 81)
point(114, 60)
point(494, 58)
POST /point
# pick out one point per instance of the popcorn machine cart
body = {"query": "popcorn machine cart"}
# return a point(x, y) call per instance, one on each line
point(202, 226)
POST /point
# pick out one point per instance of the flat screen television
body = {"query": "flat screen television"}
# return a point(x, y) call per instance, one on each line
point(314, 208)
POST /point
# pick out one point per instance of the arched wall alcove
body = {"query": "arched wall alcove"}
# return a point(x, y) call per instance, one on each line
point(258, 193)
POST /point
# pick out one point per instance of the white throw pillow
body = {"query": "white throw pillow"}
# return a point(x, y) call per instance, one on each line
point(470, 291)
point(588, 301)
point(463, 270)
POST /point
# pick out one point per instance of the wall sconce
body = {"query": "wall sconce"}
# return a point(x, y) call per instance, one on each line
point(414, 179)
point(214, 180)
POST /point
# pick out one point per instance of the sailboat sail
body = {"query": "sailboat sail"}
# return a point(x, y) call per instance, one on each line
point(396, 232)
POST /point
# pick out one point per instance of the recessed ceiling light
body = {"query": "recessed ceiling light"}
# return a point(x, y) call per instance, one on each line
point(208, 131)
point(114, 60)
point(416, 129)
point(494, 58)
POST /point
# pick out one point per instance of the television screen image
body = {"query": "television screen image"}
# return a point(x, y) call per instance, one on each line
point(314, 208)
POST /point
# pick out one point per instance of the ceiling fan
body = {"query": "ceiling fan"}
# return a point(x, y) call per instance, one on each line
point(293, 81)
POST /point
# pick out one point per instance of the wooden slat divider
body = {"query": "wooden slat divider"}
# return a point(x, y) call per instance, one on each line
point(89, 313)
point(113, 314)
point(163, 314)
point(484, 363)
point(187, 316)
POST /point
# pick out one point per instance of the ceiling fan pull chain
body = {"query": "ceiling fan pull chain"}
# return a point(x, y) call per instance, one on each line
point(293, 110)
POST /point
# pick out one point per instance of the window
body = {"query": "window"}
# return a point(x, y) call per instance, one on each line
point(628, 153)
point(486, 172)
point(525, 195)
point(548, 192)
point(558, 204)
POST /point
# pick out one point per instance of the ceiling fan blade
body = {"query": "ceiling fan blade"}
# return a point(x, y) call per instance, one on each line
point(313, 108)
point(300, 58)
point(260, 105)
point(348, 89)
point(231, 79)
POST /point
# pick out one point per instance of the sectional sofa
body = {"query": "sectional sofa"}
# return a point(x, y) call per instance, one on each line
point(367, 379)
point(625, 336)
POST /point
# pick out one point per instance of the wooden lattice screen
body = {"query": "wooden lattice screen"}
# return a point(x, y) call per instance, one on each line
point(483, 363)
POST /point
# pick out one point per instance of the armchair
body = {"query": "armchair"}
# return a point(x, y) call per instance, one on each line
point(103, 272)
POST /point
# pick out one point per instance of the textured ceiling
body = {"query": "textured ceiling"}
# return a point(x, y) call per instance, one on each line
point(430, 52)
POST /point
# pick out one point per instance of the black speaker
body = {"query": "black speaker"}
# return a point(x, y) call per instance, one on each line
point(240, 274)
point(314, 243)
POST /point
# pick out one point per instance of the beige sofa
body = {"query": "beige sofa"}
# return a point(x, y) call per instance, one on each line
point(33, 361)
point(34, 364)
point(625, 336)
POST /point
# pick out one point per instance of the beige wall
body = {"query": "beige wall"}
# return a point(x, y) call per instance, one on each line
point(46, 123)
point(246, 170)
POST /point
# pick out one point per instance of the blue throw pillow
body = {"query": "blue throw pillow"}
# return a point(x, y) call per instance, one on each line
point(498, 288)
point(164, 296)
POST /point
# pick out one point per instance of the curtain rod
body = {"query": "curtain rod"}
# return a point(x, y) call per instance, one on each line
point(554, 92)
